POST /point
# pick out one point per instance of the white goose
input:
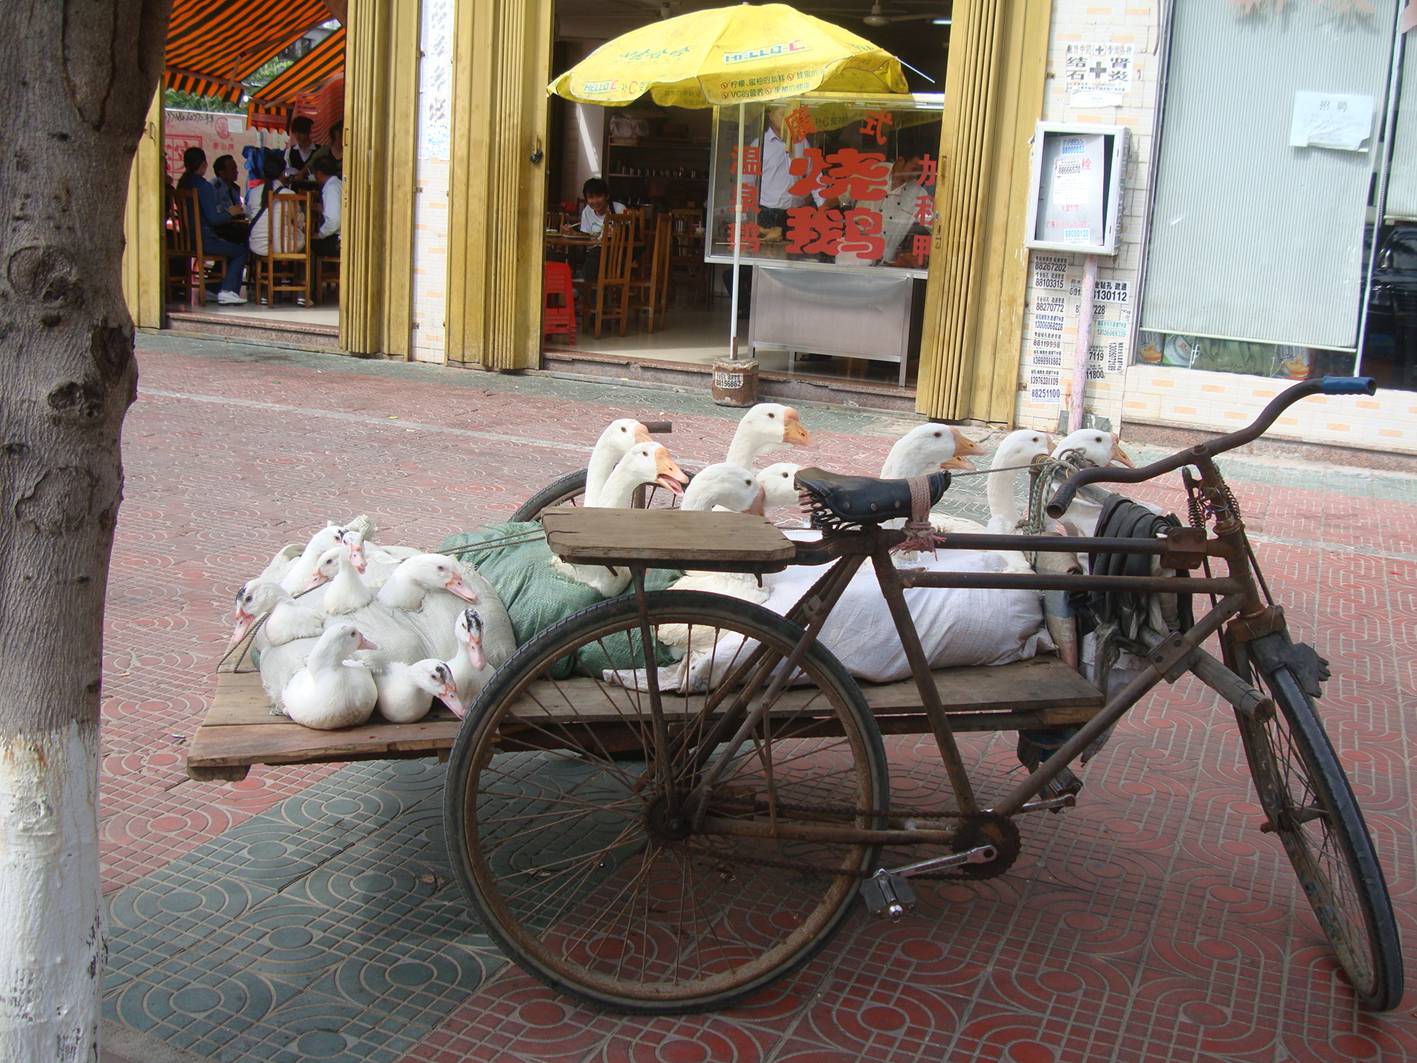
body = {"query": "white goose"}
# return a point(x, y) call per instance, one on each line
point(779, 482)
point(645, 463)
point(1098, 448)
point(614, 443)
point(927, 448)
point(767, 426)
point(332, 691)
point(287, 621)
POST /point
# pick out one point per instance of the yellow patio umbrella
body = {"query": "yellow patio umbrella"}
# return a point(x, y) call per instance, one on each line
point(730, 55)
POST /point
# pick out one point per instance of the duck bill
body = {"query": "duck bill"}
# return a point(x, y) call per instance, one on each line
point(964, 445)
point(475, 654)
point(314, 581)
point(461, 589)
point(642, 434)
point(1119, 455)
point(759, 508)
point(365, 644)
point(793, 431)
point(448, 694)
point(668, 474)
point(957, 464)
point(244, 621)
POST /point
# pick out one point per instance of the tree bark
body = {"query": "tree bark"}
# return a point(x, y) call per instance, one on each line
point(76, 78)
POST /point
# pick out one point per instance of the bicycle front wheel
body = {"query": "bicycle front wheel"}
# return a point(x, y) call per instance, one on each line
point(1310, 806)
point(566, 808)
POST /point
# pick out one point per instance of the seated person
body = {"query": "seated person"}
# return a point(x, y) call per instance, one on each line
point(598, 207)
point(300, 152)
point(326, 243)
point(229, 200)
point(288, 238)
point(194, 165)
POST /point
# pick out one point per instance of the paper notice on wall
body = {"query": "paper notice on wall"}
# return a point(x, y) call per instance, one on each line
point(1046, 335)
point(1043, 385)
point(1111, 325)
point(1050, 272)
point(1335, 120)
point(1098, 75)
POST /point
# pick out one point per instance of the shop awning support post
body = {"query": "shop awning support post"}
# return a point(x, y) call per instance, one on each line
point(737, 235)
point(1084, 342)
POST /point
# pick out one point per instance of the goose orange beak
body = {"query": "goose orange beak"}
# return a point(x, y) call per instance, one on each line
point(958, 463)
point(668, 474)
point(793, 431)
point(1118, 454)
point(642, 434)
point(964, 445)
point(244, 620)
point(457, 586)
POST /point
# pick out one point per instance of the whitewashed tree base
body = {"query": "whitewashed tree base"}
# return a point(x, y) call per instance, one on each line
point(51, 916)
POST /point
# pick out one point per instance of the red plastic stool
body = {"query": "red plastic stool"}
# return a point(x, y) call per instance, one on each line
point(558, 301)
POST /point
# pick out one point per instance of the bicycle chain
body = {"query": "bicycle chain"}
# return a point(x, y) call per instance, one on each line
point(1007, 848)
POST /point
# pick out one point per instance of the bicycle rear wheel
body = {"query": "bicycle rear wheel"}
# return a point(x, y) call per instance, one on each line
point(565, 834)
point(569, 490)
point(1310, 806)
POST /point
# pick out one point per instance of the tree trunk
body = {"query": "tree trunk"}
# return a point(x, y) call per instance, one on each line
point(76, 77)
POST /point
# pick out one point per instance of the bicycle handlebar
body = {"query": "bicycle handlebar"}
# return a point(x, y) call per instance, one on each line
point(1329, 385)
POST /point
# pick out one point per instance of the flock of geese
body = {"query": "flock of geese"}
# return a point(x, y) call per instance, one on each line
point(345, 626)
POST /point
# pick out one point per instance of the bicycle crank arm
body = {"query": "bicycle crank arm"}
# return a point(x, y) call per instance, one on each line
point(980, 854)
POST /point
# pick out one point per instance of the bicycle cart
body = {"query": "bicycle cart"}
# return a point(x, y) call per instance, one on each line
point(662, 830)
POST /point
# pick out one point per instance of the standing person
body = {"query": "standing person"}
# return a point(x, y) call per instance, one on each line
point(229, 200)
point(301, 151)
point(774, 196)
point(333, 150)
point(326, 243)
point(194, 166)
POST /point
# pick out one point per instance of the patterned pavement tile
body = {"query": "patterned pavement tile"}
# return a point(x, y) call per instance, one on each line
point(309, 912)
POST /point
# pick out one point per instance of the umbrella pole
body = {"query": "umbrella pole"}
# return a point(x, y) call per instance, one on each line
point(737, 238)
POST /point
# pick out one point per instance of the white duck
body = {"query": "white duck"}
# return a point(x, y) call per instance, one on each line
point(406, 691)
point(287, 621)
point(731, 487)
point(332, 691)
point(927, 448)
point(614, 443)
point(1097, 448)
point(428, 591)
point(767, 426)
point(374, 561)
point(645, 463)
point(469, 664)
point(293, 573)
point(347, 590)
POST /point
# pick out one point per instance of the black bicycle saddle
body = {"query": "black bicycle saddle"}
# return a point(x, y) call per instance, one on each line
point(839, 500)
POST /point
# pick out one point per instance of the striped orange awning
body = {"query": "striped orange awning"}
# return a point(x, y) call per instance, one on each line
point(213, 44)
point(270, 105)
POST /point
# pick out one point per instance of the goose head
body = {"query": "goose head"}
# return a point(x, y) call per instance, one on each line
point(644, 463)
point(622, 434)
point(255, 599)
point(767, 426)
point(928, 447)
point(779, 482)
point(730, 486)
point(1022, 447)
point(435, 572)
point(436, 678)
point(468, 628)
point(1098, 447)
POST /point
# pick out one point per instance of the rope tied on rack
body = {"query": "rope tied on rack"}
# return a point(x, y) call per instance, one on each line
point(920, 534)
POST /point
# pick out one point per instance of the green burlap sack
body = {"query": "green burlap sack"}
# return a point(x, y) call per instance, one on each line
point(515, 559)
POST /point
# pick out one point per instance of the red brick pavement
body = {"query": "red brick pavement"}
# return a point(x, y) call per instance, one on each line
point(1151, 921)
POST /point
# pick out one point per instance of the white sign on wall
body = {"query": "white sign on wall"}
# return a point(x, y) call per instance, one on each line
point(1098, 75)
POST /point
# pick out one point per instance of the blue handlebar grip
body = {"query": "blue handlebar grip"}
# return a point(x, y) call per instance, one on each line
point(1349, 385)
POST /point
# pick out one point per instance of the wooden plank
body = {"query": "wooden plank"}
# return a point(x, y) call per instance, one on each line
point(241, 701)
point(289, 743)
point(666, 538)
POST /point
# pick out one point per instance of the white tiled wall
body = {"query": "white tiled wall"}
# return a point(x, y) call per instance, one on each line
point(1125, 22)
point(430, 210)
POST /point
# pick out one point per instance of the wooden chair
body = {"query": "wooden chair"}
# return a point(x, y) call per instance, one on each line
point(612, 283)
point(651, 291)
point(201, 265)
point(327, 276)
point(686, 255)
point(287, 264)
point(178, 250)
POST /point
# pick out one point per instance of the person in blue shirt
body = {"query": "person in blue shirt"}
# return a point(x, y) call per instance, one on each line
point(194, 165)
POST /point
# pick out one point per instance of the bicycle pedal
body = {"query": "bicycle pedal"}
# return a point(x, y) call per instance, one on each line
point(1064, 784)
point(888, 894)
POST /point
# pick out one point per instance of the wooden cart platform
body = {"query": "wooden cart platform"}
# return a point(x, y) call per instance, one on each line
point(240, 731)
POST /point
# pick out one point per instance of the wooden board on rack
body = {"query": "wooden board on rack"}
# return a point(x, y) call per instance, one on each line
point(666, 538)
point(240, 731)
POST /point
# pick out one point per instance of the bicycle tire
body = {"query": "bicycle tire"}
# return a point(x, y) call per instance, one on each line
point(567, 488)
point(1292, 746)
point(501, 861)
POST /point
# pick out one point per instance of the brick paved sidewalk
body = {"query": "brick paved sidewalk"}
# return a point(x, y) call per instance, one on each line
point(307, 913)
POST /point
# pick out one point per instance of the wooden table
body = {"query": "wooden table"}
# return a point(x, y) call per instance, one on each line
point(562, 240)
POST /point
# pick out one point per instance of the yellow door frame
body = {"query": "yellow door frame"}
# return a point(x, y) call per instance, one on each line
point(144, 218)
point(380, 173)
point(497, 186)
point(974, 303)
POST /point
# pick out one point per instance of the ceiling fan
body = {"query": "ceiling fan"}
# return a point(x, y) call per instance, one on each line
point(877, 18)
